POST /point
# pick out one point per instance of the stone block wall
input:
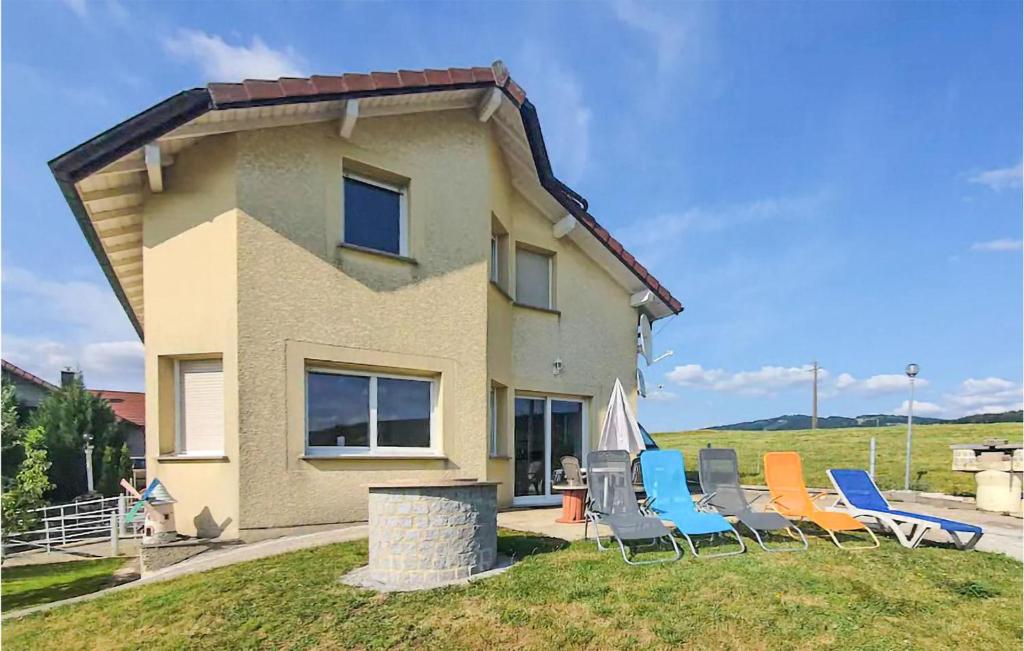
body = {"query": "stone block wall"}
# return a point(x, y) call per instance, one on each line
point(427, 535)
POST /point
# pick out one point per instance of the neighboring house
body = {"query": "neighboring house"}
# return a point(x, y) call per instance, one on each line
point(128, 406)
point(350, 279)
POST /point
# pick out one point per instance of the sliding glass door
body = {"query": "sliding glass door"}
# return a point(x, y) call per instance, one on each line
point(546, 429)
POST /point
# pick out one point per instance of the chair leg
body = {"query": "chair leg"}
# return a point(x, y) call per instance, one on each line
point(851, 548)
point(965, 546)
point(788, 532)
point(675, 548)
point(693, 548)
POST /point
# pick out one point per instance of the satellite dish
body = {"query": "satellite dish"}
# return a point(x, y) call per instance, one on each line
point(645, 342)
point(641, 385)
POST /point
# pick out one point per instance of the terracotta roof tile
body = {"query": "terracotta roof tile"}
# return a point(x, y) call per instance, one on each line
point(385, 80)
point(127, 405)
point(224, 96)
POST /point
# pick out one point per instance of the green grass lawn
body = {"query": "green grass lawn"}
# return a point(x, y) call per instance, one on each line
point(28, 585)
point(848, 448)
point(566, 597)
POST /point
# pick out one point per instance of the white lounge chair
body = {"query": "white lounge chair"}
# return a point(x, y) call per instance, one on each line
point(863, 499)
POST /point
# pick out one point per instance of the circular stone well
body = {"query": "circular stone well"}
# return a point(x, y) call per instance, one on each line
point(428, 533)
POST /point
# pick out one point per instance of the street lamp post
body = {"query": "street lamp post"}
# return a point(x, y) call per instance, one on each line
point(912, 371)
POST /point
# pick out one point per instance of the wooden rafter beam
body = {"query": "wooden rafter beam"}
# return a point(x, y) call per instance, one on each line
point(111, 193)
point(133, 165)
point(154, 169)
point(489, 104)
point(348, 119)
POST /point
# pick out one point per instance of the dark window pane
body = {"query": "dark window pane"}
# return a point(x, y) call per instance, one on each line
point(338, 410)
point(529, 447)
point(566, 431)
point(372, 216)
point(403, 413)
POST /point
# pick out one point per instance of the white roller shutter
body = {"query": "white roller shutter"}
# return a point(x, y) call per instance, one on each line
point(201, 406)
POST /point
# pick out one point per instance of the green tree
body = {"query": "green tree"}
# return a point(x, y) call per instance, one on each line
point(117, 465)
point(29, 487)
point(11, 453)
point(68, 417)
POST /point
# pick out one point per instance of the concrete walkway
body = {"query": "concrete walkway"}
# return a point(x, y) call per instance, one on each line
point(219, 558)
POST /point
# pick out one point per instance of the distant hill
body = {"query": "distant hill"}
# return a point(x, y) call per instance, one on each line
point(802, 421)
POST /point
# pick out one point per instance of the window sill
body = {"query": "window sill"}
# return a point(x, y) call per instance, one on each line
point(503, 292)
point(383, 254)
point(186, 458)
point(500, 457)
point(546, 310)
point(372, 457)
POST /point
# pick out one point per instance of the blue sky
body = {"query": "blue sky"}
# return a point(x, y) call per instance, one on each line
point(830, 181)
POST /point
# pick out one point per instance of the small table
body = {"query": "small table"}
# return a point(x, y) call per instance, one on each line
point(573, 498)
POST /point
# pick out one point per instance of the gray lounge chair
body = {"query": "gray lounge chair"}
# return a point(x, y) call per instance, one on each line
point(720, 482)
point(612, 502)
point(571, 470)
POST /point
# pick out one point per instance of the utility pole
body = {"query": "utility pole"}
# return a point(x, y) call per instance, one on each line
point(814, 408)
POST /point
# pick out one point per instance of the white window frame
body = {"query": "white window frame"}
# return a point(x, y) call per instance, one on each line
point(179, 432)
point(551, 277)
point(495, 256)
point(492, 405)
point(373, 449)
point(551, 496)
point(403, 213)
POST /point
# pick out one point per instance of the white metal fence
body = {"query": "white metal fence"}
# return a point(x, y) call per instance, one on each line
point(69, 524)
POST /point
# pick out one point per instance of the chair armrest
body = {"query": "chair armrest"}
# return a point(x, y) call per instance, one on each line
point(705, 501)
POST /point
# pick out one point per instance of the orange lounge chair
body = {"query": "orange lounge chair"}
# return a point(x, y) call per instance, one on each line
point(784, 475)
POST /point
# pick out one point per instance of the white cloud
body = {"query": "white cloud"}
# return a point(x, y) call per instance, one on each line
point(997, 245)
point(921, 408)
point(558, 95)
point(999, 179)
point(668, 34)
point(647, 238)
point(73, 323)
point(766, 380)
point(105, 365)
point(876, 384)
point(91, 309)
point(974, 396)
point(660, 395)
point(79, 7)
point(988, 395)
point(220, 61)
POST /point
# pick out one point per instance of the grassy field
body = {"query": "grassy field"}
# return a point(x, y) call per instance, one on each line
point(563, 596)
point(28, 585)
point(839, 448)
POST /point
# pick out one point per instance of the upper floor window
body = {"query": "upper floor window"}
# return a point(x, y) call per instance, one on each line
point(375, 215)
point(498, 265)
point(533, 278)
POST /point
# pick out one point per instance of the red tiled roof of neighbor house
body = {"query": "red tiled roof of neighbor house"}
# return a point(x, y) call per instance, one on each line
point(28, 377)
point(127, 405)
point(188, 105)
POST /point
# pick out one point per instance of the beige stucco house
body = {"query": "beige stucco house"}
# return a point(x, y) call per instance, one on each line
point(346, 279)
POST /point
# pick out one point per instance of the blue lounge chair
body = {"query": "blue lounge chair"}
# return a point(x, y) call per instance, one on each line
point(669, 498)
point(863, 499)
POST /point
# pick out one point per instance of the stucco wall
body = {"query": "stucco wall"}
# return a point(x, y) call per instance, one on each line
point(296, 287)
point(189, 258)
point(593, 331)
point(241, 261)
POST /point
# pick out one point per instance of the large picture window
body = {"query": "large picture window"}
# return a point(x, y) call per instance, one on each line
point(375, 215)
point(367, 413)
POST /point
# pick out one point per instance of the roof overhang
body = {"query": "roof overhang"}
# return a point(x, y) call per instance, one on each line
point(107, 179)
